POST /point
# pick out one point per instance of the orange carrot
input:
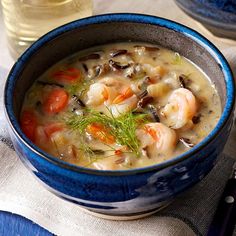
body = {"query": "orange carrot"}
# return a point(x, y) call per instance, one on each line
point(49, 129)
point(100, 132)
point(28, 123)
point(69, 75)
point(118, 152)
point(55, 101)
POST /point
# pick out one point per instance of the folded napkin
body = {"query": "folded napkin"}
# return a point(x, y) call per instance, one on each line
point(20, 193)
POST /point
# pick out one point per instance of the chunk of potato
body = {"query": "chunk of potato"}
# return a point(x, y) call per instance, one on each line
point(158, 90)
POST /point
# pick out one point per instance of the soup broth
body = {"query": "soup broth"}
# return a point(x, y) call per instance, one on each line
point(120, 106)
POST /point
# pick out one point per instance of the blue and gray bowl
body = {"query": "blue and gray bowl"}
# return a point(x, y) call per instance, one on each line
point(124, 193)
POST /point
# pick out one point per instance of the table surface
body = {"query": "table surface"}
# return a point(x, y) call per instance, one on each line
point(166, 9)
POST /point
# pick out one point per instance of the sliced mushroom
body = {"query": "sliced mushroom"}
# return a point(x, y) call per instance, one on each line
point(98, 151)
point(98, 70)
point(118, 53)
point(118, 66)
point(143, 102)
point(151, 49)
point(181, 81)
point(143, 94)
point(85, 67)
point(186, 142)
point(120, 160)
point(196, 119)
point(78, 101)
point(154, 113)
point(184, 81)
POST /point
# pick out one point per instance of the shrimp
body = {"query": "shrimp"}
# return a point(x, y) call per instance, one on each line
point(116, 94)
point(160, 138)
point(123, 103)
point(105, 164)
point(117, 83)
point(99, 93)
point(105, 91)
point(155, 72)
point(180, 109)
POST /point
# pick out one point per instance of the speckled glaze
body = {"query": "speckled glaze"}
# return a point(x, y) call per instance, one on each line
point(212, 14)
point(131, 192)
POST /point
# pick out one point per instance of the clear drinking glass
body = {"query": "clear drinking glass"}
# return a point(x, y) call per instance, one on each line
point(27, 20)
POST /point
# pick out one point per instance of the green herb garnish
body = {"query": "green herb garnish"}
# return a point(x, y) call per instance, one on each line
point(122, 128)
point(177, 59)
point(78, 88)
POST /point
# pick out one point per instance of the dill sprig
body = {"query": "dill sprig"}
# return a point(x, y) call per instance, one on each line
point(122, 128)
point(177, 59)
point(78, 88)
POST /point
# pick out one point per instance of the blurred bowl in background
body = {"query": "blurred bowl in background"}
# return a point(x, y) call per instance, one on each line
point(218, 16)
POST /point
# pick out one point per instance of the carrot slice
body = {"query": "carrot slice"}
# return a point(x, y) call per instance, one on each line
point(100, 132)
point(55, 101)
point(49, 129)
point(118, 152)
point(28, 123)
point(69, 75)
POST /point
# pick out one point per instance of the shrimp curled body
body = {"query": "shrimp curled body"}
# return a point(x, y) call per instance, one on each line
point(181, 108)
point(158, 137)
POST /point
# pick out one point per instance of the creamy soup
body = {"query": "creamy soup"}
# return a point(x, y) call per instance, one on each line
point(120, 106)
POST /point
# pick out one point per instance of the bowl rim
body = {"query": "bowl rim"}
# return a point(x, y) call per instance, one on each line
point(118, 17)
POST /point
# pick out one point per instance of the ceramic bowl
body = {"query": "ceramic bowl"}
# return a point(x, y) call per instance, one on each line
point(219, 17)
point(125, 193)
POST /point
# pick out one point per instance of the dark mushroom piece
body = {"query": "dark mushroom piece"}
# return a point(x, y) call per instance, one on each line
point(98, 70)
point(186, 142)
point(143, 102)
point(98, 151)
point(196, 119)
point(120, 160)
point(184, 81)
point(78, 105)
point(85, 67)
point(118, 53)
point(117, 65)
point(154, 113)
point(181, 81)
point(151, 49)
point(135, 112)
point(143, 94)
point(78, 101)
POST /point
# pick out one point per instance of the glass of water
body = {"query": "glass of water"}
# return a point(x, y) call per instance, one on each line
point(27, 20)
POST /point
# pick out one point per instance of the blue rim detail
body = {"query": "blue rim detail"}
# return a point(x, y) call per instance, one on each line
point(120, 17)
